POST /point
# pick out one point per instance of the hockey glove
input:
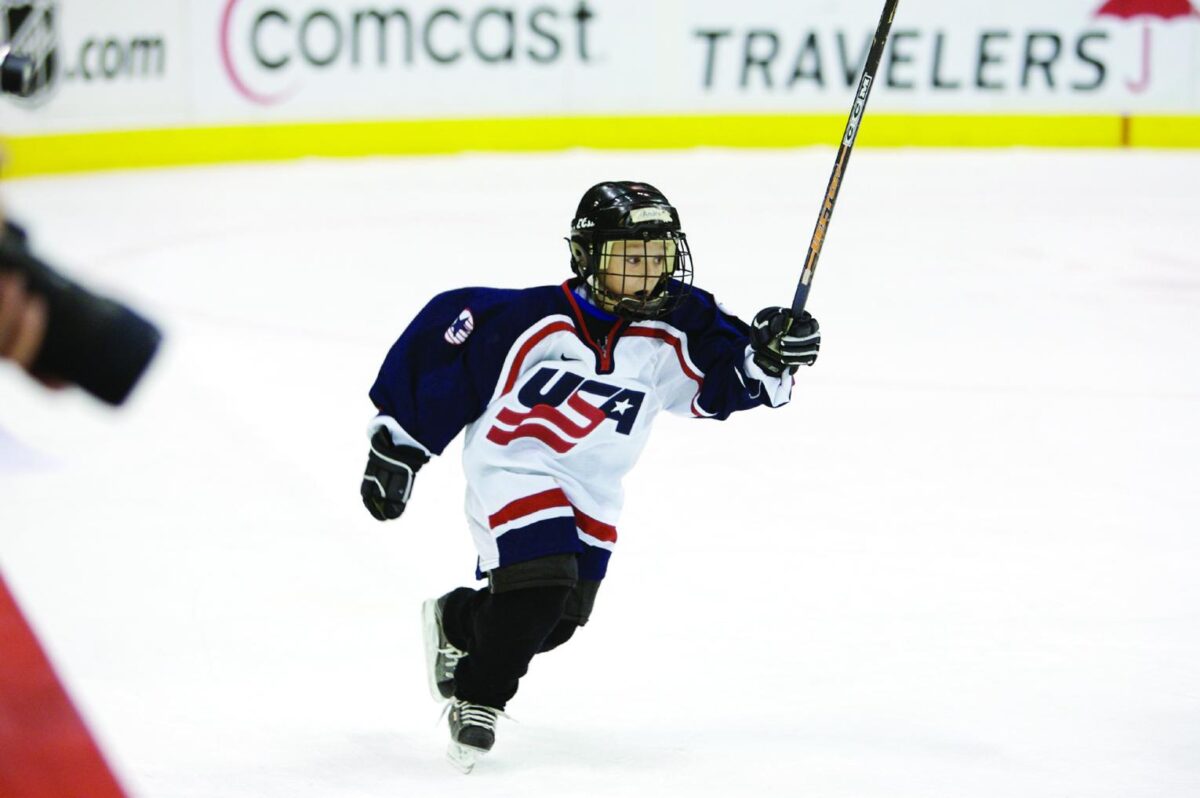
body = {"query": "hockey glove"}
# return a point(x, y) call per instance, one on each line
point(388, 480)
point(783, 342)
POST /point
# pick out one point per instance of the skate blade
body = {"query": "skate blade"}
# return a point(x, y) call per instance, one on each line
point(430, 633)
point(463, 757)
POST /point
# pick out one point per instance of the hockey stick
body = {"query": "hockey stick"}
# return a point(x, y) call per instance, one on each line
point(843, 156)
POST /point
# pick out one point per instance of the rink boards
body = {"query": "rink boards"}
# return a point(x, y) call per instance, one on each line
point(142, 82)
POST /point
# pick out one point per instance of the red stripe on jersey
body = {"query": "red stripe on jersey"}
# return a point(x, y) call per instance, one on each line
point(534, 340)
point(603, 352)
point(677, 345)
point(556, 417)
point(546, 500)
point(535, 431)
point(528, 506)
point(597, 529)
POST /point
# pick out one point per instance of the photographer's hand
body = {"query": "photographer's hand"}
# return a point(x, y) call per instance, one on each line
point(22, 320)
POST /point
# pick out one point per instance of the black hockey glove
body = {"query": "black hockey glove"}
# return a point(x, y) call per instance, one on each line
point(783, 342)
point(388, 480)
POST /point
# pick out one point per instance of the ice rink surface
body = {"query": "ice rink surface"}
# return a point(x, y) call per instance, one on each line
point(963, 562)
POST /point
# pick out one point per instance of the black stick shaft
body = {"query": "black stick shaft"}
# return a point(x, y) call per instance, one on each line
point(843, 156)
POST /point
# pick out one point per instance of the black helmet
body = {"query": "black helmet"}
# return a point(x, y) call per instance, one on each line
point(654, 273)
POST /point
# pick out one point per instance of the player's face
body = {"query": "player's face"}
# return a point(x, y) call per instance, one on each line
point(633, 268)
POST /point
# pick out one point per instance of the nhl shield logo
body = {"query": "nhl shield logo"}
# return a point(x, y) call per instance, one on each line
point(457, 332)
point(29, 27)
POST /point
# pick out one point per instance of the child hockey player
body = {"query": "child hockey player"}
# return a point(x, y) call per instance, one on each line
point(556, 388)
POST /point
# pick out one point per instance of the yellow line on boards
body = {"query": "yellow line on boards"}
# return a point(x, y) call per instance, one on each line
point(78, 152)
point(1165, 131)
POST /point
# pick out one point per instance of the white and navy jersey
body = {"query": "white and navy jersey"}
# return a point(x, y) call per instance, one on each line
point(557, 398)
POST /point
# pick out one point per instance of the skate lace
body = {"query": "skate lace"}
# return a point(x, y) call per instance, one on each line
point(450, 656)
point(476, 714)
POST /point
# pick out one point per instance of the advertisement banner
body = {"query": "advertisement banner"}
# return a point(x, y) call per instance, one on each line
point(146, 64)
point(326, 58)
point(117, 64)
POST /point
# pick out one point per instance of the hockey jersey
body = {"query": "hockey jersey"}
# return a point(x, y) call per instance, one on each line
point(557, 398)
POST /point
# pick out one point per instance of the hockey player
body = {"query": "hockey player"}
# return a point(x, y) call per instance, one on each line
point(556, 388)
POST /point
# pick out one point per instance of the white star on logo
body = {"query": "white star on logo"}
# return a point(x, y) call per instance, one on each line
point(622, 406)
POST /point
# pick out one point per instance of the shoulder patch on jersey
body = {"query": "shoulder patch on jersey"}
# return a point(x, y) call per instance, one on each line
point(458, 332)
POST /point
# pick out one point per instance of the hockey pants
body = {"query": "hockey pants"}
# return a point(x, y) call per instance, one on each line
point(502, 632)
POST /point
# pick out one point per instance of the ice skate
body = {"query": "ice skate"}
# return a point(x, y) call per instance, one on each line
point(441, 656)
point(472, 733)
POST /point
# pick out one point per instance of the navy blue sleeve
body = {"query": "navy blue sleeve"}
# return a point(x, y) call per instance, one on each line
point(440, 374)
point(717, 344)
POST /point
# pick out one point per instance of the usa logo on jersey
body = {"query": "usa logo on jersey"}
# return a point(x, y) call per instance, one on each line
point(563, 410)
point(457, 332)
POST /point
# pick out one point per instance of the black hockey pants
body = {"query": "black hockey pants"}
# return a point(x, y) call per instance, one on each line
point(502, 632)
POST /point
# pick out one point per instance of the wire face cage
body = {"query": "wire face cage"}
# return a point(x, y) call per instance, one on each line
point(641, 278)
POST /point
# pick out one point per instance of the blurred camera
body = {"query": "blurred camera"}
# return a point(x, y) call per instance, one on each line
point(96, 343)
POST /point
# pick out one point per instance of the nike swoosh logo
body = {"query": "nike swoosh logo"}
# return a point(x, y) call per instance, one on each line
point(571, 359)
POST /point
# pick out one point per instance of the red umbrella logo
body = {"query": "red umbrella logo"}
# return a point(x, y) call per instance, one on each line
point(1159, 9)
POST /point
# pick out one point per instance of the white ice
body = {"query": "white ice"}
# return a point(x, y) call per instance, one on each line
point(963, 562)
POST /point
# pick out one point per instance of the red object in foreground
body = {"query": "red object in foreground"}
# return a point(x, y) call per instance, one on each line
point(1163, 9)
point(46, 750)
